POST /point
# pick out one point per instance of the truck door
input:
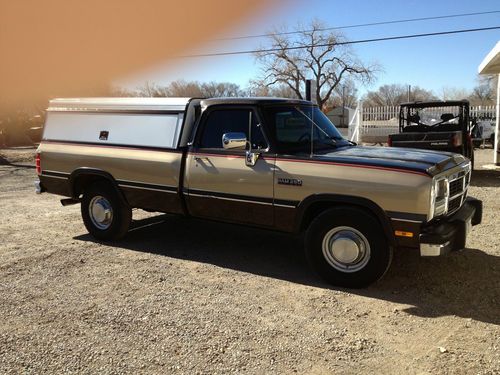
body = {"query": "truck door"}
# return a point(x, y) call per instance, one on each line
point(219, 183)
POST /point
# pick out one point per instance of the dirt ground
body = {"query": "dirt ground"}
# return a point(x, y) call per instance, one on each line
point(186, 296)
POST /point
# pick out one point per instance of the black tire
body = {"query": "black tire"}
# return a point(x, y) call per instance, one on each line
point(366, 271)
point(117, 226)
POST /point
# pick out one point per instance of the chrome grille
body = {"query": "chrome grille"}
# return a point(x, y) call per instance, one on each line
point(456, 187)
point(454, 204)
point(458, 184)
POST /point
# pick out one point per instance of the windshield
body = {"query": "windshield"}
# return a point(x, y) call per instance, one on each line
point(294, 126)
point(448, 116)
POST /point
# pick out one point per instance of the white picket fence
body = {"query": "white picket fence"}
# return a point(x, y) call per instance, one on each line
point(374, 124)
point(483, 112)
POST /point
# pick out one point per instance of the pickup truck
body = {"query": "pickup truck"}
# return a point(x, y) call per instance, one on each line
point(273, 163)
point(435, 125)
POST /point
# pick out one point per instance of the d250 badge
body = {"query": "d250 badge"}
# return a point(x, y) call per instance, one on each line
point(289, 181)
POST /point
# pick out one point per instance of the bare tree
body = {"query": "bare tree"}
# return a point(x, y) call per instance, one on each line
point(221, 89)
point(196, 89)
point(484, 91)
point(151, 90)
point(454, 93)
point(314, 54)
point(260, 88)
point(183, 88)
point(395, 94)
point(346, 94)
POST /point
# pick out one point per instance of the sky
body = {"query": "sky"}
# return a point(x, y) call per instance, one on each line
point(431, 63)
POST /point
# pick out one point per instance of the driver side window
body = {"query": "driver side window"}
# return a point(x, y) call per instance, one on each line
point(223, 121)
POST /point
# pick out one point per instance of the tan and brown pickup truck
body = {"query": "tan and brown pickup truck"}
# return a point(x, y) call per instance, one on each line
point(273, 163)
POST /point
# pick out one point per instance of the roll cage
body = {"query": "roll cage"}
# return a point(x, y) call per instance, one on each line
point(410, 119)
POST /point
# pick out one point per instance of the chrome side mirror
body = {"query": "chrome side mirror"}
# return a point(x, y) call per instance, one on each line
point(232, 141)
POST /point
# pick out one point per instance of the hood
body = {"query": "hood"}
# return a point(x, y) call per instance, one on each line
point(428, 161)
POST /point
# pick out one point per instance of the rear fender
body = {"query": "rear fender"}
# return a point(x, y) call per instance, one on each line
point(82, 177)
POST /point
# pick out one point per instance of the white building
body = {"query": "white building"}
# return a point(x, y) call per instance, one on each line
point(491, 66)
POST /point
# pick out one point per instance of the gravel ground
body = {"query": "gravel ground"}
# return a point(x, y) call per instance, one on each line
point(193, 297)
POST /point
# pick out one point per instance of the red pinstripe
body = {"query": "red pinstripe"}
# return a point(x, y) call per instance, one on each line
point(320, 162)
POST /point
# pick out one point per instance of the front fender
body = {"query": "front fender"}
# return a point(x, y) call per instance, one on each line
point(332, 200)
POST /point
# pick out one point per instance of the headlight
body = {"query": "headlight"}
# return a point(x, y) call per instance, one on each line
point(442, 188)
point(440, 192)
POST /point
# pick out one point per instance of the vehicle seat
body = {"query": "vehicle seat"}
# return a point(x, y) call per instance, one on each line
point(414, 118)
point(413, 124)
point(447, 117)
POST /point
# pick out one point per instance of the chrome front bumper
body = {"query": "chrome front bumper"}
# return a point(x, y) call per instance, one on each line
point(451, 234)
point(434, 250)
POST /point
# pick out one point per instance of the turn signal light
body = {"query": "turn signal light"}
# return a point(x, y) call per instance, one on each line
point(401, 233)
point(38, 164)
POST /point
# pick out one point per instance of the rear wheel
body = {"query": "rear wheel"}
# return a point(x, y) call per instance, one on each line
point(105, 215)
point(347, 247)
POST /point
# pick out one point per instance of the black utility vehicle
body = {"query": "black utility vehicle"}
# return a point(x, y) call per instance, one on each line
point(435, 125)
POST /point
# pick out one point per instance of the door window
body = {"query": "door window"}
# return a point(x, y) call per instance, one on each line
point(221, 121)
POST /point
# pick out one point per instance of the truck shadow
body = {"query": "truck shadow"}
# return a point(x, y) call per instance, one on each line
point(485, 178)
point(4, 161)
point(464, 283)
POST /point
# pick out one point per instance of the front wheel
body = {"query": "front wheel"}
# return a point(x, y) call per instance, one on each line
point(105, 215)
point(347, 247)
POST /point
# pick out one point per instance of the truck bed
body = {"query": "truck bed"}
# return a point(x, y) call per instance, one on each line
point(425, 140)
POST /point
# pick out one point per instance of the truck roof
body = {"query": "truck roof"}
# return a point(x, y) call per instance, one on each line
point(119, 104)
point(252, 101)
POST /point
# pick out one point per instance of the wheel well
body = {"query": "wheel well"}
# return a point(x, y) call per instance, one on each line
point(313, 211)
point(82, 181)
point(316, 208)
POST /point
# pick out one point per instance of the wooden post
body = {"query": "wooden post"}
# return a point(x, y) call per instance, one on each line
point(311, 91)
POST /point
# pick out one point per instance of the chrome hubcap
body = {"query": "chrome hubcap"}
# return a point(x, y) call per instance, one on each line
point(346, 249)
point(100, 212)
